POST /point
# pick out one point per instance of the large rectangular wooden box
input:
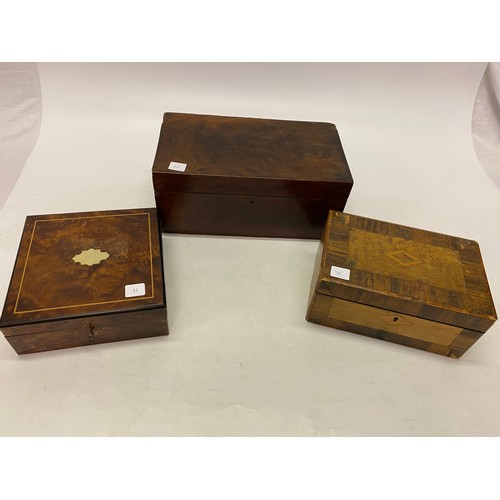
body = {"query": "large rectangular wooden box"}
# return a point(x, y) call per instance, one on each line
point(397, 283)
point(86, 278)
point(248, 176)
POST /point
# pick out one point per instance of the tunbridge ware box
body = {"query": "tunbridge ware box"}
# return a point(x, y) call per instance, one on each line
point(397, 283)
point(86, 278)
point(248, 176)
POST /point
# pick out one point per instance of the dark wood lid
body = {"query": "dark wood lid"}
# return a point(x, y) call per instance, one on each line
point(407, 270)
point(251, 156)
point(71, 265)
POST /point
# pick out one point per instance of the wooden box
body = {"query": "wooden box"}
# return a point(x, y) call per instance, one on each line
point(248, 176)
point(86, 278)
point(409, 286)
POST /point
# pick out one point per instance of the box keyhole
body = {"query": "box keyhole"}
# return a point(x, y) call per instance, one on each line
point(91, 332)
point(395, 318)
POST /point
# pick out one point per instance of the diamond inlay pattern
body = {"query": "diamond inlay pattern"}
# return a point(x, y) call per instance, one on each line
point(403, 258)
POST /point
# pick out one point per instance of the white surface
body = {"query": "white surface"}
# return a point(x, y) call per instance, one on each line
point(241, 359)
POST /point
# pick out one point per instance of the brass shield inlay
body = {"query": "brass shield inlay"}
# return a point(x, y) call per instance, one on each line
point(90, 257)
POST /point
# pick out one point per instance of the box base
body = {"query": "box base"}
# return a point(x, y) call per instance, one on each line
point(242, 215)
point(431, 336)
point(90, 330)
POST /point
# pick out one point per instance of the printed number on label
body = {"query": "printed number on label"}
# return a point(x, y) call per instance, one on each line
point(179, 167)
point(340, 272)
point(135, 290)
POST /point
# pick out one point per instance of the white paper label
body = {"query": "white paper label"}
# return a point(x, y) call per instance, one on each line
point(340, 272)
point(135, 290)
point(175, 165)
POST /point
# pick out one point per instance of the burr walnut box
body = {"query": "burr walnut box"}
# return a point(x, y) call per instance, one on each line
point(405, 285)
point(86, 278)
point(248, 176)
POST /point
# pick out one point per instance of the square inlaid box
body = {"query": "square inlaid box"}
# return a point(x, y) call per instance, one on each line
point(410, 286)
point(86, 278)
point(234, 176)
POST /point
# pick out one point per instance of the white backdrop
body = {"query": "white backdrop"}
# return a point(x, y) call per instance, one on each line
point(486, 122)
point(241, 359)
point(20, 118)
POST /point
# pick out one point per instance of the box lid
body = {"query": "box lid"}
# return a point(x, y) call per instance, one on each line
point(406, 270)
point(251, 156)
point(78, 264)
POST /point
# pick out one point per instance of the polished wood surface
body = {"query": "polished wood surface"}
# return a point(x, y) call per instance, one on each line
point(232, 147)
point(249, 176)
point(231, 215)
point(411, 286)
point(78, 265)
